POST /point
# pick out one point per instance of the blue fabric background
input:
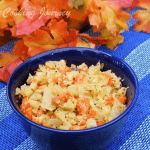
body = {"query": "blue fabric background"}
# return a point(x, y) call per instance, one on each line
point(136, 131)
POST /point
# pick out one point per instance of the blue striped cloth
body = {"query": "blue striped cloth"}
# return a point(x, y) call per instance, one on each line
point(136, 131)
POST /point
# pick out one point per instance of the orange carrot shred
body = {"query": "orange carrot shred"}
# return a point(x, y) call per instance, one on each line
point(83, 122)
point(40, 112)
point(92, 114)
point(122, 99)
point(99, 123)
point(109, 100)
point(77, 127)
point(28, 113)
point(82, 105)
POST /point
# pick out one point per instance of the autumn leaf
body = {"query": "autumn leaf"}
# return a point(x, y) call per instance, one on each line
point(78, 3)
point(83, 43)
point(32, 51)
point(21, 50)
point(112, 41)
point(32, 22)
point(143, 17)
point(7, 6)
point(7, 58)
point(82, 12)
point(6, 71)
point(78, 17)
point(107, 14)
point(94, 40)
point(1, 32)
point(123, 3)
point(57, 5)
point(51, 37)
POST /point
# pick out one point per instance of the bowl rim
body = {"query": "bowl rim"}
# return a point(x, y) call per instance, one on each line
point(80, 49)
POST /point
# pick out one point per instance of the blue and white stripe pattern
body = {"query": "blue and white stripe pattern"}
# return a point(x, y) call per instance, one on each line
point(135, 134)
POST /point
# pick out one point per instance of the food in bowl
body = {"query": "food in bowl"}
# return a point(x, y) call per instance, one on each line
point(72, 98)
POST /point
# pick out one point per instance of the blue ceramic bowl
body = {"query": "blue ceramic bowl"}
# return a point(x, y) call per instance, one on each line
point(88, 139)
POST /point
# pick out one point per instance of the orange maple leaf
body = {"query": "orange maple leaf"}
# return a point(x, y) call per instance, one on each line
point(7, 58)
point(57, 5)
point(54, 36)
point(31, 22)
point(84, 43)
point(112, 41)
point(105, 13)
point(143, 17)
point(7, 7)
point(94, 40)
point(7, 70)
point(21, 50)
point(1, 32)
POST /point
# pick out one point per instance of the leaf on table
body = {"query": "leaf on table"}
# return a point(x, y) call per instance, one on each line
point(7, 6)
point(51, 37)
point(123, 3)
point(81, 13)
point(35, 50)
point(21, 50)
point(107, 14)
point(143, 17)
point(6, 71)
point(94, 40)
point(57, 5)
point(78, 3)
point(31, 22)
point(1, 32)
point(7, 58)
point(112, 41)
point(83, 43)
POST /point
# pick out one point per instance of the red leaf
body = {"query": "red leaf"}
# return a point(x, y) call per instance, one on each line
point(1, 32)
point(122, 3)
point(6, 71)
point(32, 22)
point(21, 50)
point(7, 58)
point(95, 40)
point(51, 37)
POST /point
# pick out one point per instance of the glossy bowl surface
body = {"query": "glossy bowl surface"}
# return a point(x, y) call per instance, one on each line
point(88, 139)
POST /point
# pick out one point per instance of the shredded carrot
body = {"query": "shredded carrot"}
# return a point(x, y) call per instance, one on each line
point(46, 125)
point(35, 120)
point(122, 99)
point(53, 116)
point(84, 68)
point(110, 79)
point(77, 127)
point(109, 100)
point(99, 123)
point(82, 105)
point(64, 70)
point(40, 112)
point(47, 67)
point(59, 80)
point(83, 122)
point(92, 113)
point(41, 87)
point(61, 97)
point(28, 113)
point(79, 78)
point(110, 83)
point(39, 70)
point(25, 104)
